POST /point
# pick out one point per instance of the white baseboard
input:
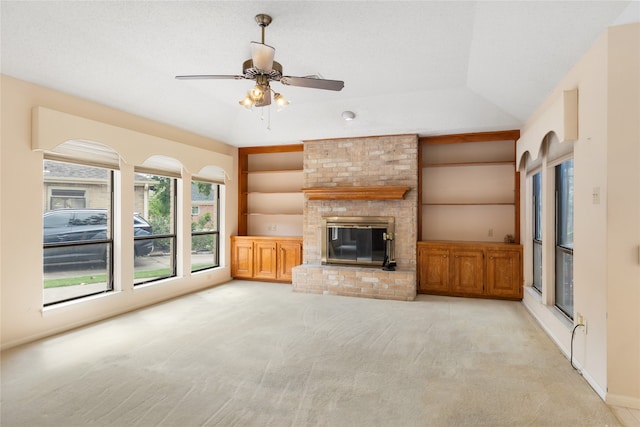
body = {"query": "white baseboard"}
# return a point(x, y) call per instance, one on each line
point(590, 380)
point(624, 401)
point(594, 385)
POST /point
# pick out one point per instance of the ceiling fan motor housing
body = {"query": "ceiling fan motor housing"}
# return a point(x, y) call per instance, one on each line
point(250, 72)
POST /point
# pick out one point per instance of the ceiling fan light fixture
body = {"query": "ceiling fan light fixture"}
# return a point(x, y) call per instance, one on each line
point(262, 69)
point(257, 93)
point(247, 102)
point(280, 100)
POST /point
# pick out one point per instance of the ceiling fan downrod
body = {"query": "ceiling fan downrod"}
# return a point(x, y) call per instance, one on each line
point(263, 21)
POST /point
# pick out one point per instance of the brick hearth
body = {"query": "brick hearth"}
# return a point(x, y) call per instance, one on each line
point(372, 161)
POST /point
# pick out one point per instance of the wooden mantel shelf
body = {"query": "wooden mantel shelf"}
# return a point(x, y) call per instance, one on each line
point(380, 192)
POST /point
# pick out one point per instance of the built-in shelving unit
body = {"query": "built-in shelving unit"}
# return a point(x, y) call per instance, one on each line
point(469, 202)
point(469, 189)
point(270, 191)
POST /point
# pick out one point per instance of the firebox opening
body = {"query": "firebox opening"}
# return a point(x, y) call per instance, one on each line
point(364, 241)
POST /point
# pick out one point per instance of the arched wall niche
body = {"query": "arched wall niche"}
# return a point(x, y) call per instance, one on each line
point(89, 152)
point(213, 173)
point(51, 128)
point(163, 163)
point(550, 148)
point(560, 118)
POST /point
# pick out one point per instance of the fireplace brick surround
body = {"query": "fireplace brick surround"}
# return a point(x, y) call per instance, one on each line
point(361, 162)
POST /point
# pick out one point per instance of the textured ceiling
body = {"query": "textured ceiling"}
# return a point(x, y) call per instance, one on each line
point(426, 67)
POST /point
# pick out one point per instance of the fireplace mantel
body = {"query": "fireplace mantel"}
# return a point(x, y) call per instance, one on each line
point(378, 192)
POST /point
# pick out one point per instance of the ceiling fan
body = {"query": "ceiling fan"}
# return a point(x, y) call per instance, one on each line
point(263, 69)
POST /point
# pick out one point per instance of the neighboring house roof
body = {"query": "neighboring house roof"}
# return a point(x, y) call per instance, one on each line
point(60, 171)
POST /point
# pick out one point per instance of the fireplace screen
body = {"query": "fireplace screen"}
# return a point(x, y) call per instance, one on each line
point(363, 241)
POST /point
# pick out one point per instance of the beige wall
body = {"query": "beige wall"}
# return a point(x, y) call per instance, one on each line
point(607, 234)
point(623, 216)
point(135, 139)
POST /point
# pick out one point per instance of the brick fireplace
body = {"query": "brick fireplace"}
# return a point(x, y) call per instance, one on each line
point(389, 161)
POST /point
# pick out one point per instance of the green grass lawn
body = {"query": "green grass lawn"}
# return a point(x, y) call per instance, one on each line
point(101, 278)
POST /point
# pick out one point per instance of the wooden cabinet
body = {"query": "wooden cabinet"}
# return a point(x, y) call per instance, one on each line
point(289, 256)
point(433, 269)
point(470, 269)
point(503, 270)
point(265, 258)
point(242, 258)
point(467, 271)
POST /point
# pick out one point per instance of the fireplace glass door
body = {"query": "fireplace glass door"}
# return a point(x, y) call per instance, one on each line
point(364, 240)
point(356, 244)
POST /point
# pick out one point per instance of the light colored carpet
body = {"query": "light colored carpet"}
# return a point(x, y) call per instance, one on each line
point(249, 353)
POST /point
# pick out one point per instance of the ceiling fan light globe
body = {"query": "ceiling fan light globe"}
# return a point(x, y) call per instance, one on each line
point(247, 102)
point(256, 93)
point(280, 100)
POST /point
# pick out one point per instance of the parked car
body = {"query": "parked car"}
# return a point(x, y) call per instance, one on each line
point(68, 226)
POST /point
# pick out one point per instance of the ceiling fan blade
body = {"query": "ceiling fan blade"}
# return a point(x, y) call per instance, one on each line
point(312, 83)
point(262, 56)
point(209, 76)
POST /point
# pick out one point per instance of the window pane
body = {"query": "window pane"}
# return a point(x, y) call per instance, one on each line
point(564, 188)
point(158, 265)
point(65, 281)
point(537, 231)
point(564, 238)
point(537, 206)
point(207, 255)
point(204, 225)
point(162, 205)
point(564, 282)
point(77, 242)
point(537, 266)
point(155, 204)
point(204, 207)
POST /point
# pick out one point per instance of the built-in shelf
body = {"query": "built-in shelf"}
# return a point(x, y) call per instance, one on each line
point(468, 187)
point(469, 204)
point(270, 201)
point(274, 171)
point(272, 214)
point(356, 193)
point(435, 165)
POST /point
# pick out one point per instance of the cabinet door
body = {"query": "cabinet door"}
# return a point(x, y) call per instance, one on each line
point(433, 265)
point(289, 256)
point(242, 259)
point(503, 273)
point(467, 271)
point(264, 259)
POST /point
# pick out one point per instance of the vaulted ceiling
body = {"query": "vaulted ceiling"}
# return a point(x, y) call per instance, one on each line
point(426, 67)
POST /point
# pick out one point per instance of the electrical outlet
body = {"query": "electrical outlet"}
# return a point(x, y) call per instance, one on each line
point(580, 320)
point(491, 232)
point(595, 194)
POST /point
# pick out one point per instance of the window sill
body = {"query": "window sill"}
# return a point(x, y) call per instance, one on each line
point(58, 307)
point(552, 310)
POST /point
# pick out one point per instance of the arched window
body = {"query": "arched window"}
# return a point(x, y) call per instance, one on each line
point(78, 220)
point(155, 237)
